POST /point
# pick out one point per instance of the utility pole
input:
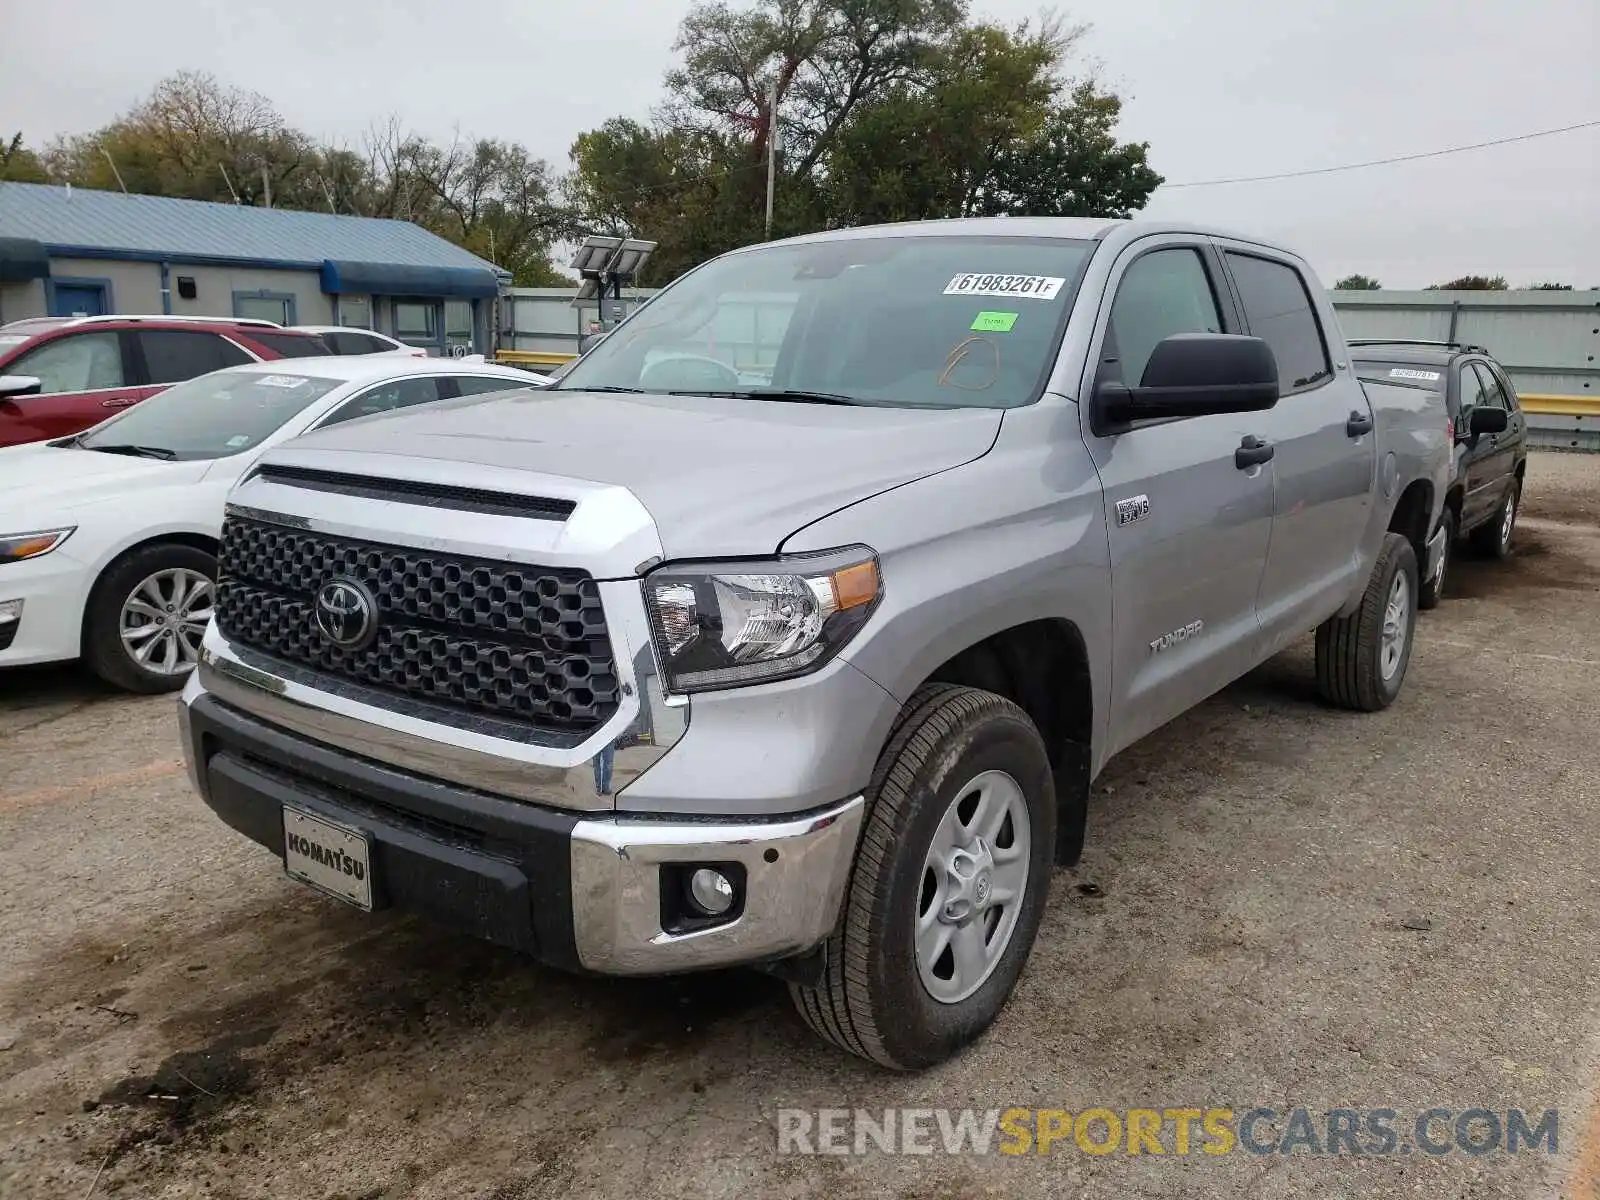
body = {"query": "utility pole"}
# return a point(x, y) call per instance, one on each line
point(114, 171)
point(266, 187)
point(772, 149)
point(229, 182)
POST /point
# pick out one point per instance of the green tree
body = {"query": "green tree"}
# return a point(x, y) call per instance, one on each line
point(887, 110)
point(1357, 283)
point(1471, 283)
point(18, 164)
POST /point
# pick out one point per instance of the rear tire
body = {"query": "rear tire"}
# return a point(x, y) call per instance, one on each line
point(1362, 658)
point(1433, 589)
point(159, 588)
point(1492, 539)
point(954, 751)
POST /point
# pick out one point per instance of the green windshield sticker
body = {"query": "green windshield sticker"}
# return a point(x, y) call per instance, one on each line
point(994, 322)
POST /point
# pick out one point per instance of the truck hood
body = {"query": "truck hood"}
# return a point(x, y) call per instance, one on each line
point(41, 480)
point(720, 477)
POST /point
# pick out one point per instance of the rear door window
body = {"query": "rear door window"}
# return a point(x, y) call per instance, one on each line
point(78, 362)
point(1278, 308)
point(345, 342)
point(173, 355)
point(478, 385)
point(291, 345)
point(392, 396)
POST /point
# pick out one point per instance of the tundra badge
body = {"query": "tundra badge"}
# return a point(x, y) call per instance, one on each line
point(1134, 508)
point(1168, 640)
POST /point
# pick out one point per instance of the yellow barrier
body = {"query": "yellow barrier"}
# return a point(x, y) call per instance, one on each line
point(532, 358)
point(1560, 406)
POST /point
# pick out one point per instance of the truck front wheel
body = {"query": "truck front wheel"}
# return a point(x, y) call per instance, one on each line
point(949, 883)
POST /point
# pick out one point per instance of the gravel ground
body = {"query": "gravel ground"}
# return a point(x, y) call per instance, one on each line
point(1281, 906)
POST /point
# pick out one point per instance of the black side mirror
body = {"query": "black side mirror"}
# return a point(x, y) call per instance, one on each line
point(1484, 419)
point(1193, 375)
point(20, 385)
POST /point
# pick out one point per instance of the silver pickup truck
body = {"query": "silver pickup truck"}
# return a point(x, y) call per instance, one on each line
point(791, 627)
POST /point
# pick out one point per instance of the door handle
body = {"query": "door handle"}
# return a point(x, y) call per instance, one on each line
point(1358, 424)
point(1252, 452)
point(119, 402)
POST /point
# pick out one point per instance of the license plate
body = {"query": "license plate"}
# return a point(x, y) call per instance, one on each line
point(331, 857)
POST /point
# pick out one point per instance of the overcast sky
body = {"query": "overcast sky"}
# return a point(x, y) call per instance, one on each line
point(1219, 89)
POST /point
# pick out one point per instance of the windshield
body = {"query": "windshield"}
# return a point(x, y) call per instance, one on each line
point(214, 416)
point(947, 321)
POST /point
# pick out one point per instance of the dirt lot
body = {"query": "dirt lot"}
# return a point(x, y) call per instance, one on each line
point(1281, 905)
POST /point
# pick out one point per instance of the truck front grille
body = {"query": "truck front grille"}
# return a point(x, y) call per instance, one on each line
point(486, 640)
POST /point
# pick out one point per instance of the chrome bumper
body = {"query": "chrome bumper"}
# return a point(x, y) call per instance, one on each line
point(795, 870)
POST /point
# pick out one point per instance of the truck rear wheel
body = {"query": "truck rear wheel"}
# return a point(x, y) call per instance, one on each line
point(949, 883)
point(1362, 658)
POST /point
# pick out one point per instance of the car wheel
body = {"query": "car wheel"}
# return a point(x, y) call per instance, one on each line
point(1362, 658)
point(147, 615)
point(1493, 538)
point(1433, 590)
point(949, 883)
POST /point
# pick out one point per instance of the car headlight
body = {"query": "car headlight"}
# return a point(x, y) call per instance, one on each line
point(14, 547)
point(725, 625)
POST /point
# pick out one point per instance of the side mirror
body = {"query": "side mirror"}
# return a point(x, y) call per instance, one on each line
point(1484, 419)
point(1194, 375)
point(20, 385)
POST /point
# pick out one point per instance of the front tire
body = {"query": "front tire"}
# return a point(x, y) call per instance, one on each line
point(1493, 538)
point(949, 884)
point(146, 617)
point(1362, 658)
point(1433, 590)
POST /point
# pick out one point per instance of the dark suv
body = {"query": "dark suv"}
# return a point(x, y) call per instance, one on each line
point(1491, 437)
point(62, 375)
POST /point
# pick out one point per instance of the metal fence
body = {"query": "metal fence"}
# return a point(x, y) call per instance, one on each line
point(1548, 341)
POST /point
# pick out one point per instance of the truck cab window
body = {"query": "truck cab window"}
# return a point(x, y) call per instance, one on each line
point(1278, 308)
point(1162, 293)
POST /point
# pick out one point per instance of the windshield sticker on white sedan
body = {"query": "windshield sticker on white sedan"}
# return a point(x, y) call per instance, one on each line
point(1017, 287)
point(1425, 376)
point(281, 381)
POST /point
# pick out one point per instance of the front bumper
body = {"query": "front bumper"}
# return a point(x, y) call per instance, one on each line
point(577, 890)
point(52, 589)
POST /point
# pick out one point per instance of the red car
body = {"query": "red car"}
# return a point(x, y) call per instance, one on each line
point(61, 375)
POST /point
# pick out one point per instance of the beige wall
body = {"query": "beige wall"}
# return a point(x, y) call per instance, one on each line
point(135, 287)
point(18, 300)
point(215, 286)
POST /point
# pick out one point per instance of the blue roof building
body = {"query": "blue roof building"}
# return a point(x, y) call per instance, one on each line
point(65, 251)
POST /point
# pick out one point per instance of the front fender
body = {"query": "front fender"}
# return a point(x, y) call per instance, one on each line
point(1014, 537)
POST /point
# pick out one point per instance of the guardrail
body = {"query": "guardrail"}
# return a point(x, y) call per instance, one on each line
point(532, 358)
point(1563, 421)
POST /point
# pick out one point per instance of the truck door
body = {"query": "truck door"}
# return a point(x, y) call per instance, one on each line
point(1188, 517)
point(1322, 430)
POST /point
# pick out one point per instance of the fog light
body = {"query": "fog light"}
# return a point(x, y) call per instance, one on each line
point(711, 891)
point(10, 612)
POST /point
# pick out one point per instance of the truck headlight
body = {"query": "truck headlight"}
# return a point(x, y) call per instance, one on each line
point(14, 547)
point(724, 625)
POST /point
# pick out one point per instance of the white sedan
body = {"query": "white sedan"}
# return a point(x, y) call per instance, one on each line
point(108, 539)
point(343, 340)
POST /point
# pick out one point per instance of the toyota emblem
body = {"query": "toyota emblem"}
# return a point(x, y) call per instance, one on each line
point(347, 615)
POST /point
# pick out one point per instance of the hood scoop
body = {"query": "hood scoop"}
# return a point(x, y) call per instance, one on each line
point(425, 495)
